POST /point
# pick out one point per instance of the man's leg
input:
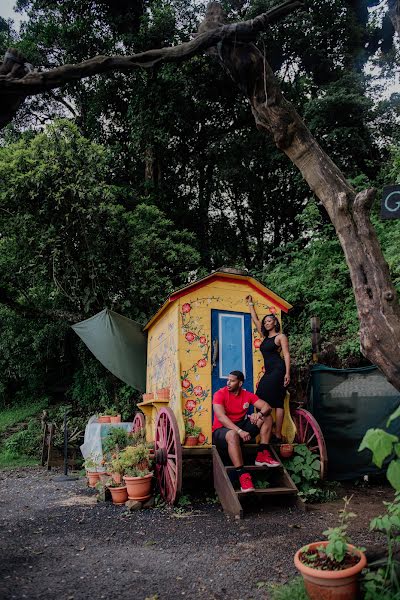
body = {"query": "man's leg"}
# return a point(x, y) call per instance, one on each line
point(234, 448)
point(236, 456)
point(264, 458)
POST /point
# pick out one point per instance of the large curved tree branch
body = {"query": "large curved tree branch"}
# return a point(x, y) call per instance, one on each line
point(16, 83)
point(375, 295)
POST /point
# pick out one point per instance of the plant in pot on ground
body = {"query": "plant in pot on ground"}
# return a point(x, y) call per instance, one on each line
point(192, 433)
point(92, 465)
point(331, 569)
point(137, 462)
point(118, 491)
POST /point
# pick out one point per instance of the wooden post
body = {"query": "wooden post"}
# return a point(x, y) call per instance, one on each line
point(315, 338)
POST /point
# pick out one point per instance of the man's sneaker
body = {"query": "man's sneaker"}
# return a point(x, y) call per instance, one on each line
point(246, 483)
point(264, 459)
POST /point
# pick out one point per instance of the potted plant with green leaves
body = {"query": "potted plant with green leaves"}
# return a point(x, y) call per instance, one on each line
point(116, 468)
point(331, 568)
point(136, 461)
point(115, 416)
point(92, 466)
point(192, 433)
point(118, 491)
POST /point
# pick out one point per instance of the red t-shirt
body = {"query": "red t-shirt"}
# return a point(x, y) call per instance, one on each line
point(235, 406)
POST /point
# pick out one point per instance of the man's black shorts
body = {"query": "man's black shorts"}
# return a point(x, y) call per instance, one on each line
point(219, 435)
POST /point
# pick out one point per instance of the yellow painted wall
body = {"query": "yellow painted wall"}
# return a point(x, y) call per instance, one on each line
point(163, 361)
point(195, 345)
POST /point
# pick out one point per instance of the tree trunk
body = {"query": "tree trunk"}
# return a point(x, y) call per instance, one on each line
point(394, 14)
point(375, 295)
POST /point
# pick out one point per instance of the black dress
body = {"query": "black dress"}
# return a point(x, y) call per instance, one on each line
point(270, 387)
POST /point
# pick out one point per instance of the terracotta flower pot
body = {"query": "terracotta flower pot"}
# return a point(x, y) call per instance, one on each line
point(93, 477)
point(163, 394)
point(139, 488)
point(148, 397)
point(286, 450)
point(191, 440)
point(104, 419)
point(331, 585)
point(116, 419)
point(119, 495)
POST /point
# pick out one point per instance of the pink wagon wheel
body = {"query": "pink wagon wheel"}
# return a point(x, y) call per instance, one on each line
point(168, 455)
point(310, 434)
point(138, 422)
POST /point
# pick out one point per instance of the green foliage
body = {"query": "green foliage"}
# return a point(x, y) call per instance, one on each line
point(304, 469)
point(25, 442)
point(294, 590)
point(382, 581)
point(384, 445)
point(136, 460)
point(192, 430)
point(338, 537)
point(17, 414)
point(116, 439)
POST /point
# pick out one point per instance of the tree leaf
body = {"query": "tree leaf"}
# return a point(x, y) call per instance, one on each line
point(380, 443)
point(393, 474)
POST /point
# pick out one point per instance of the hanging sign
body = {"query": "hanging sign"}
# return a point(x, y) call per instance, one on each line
point(390, 207)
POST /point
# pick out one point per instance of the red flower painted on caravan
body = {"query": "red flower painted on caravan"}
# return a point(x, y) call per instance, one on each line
point(203, 340)
point(272, 310)
point(190, 405)
point(201, 438)
point(190, 422)
point(190, 336)
point(198, 390)
point(202, 362)
point(186, 308)
point(186, 383)
point(257, 343)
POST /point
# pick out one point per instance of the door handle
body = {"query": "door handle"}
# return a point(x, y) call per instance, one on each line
point(214, 353)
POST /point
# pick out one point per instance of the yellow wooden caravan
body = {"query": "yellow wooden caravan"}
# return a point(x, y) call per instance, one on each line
point(201, 333)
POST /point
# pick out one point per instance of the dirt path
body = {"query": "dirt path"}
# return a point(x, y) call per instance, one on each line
point(58, 542)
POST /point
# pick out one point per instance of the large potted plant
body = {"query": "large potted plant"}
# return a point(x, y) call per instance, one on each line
point(136, 461)
point(331, 569)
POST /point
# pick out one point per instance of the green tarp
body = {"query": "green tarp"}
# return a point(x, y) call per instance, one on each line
point(118, 343)
point(347, 402)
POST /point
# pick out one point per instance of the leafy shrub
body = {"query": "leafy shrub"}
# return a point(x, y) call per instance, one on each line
point(25, 442)
point(304, 469)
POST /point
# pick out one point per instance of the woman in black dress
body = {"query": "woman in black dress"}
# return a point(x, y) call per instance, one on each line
point(272, 385)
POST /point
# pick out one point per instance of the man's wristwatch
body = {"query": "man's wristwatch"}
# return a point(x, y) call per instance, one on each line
point(239, 430)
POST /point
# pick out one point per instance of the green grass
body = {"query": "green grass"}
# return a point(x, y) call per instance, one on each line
point(17, 414)
point(294, 590)
point(10, 417)
point(10, 461)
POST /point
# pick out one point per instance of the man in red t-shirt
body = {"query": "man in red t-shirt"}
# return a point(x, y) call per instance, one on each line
point(232, 426)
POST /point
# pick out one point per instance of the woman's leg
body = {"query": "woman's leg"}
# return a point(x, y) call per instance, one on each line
point(279, 413)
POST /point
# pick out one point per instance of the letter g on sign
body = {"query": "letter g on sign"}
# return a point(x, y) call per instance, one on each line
point(390, 207)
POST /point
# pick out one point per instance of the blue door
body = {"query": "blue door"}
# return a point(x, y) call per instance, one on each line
point(231, 347)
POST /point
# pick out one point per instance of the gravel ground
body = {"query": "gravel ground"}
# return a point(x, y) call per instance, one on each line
point(56, 541)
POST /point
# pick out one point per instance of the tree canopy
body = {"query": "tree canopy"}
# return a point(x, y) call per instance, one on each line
point(158, 175)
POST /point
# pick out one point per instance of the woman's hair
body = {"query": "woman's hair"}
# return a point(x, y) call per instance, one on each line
point(276, 323)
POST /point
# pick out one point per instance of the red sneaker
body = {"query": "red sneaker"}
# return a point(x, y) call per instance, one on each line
point(264, 459)
point(246, 483)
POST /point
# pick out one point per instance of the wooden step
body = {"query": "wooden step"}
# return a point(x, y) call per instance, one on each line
point(257, 468)
point(279, 485)
point(271, 491)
